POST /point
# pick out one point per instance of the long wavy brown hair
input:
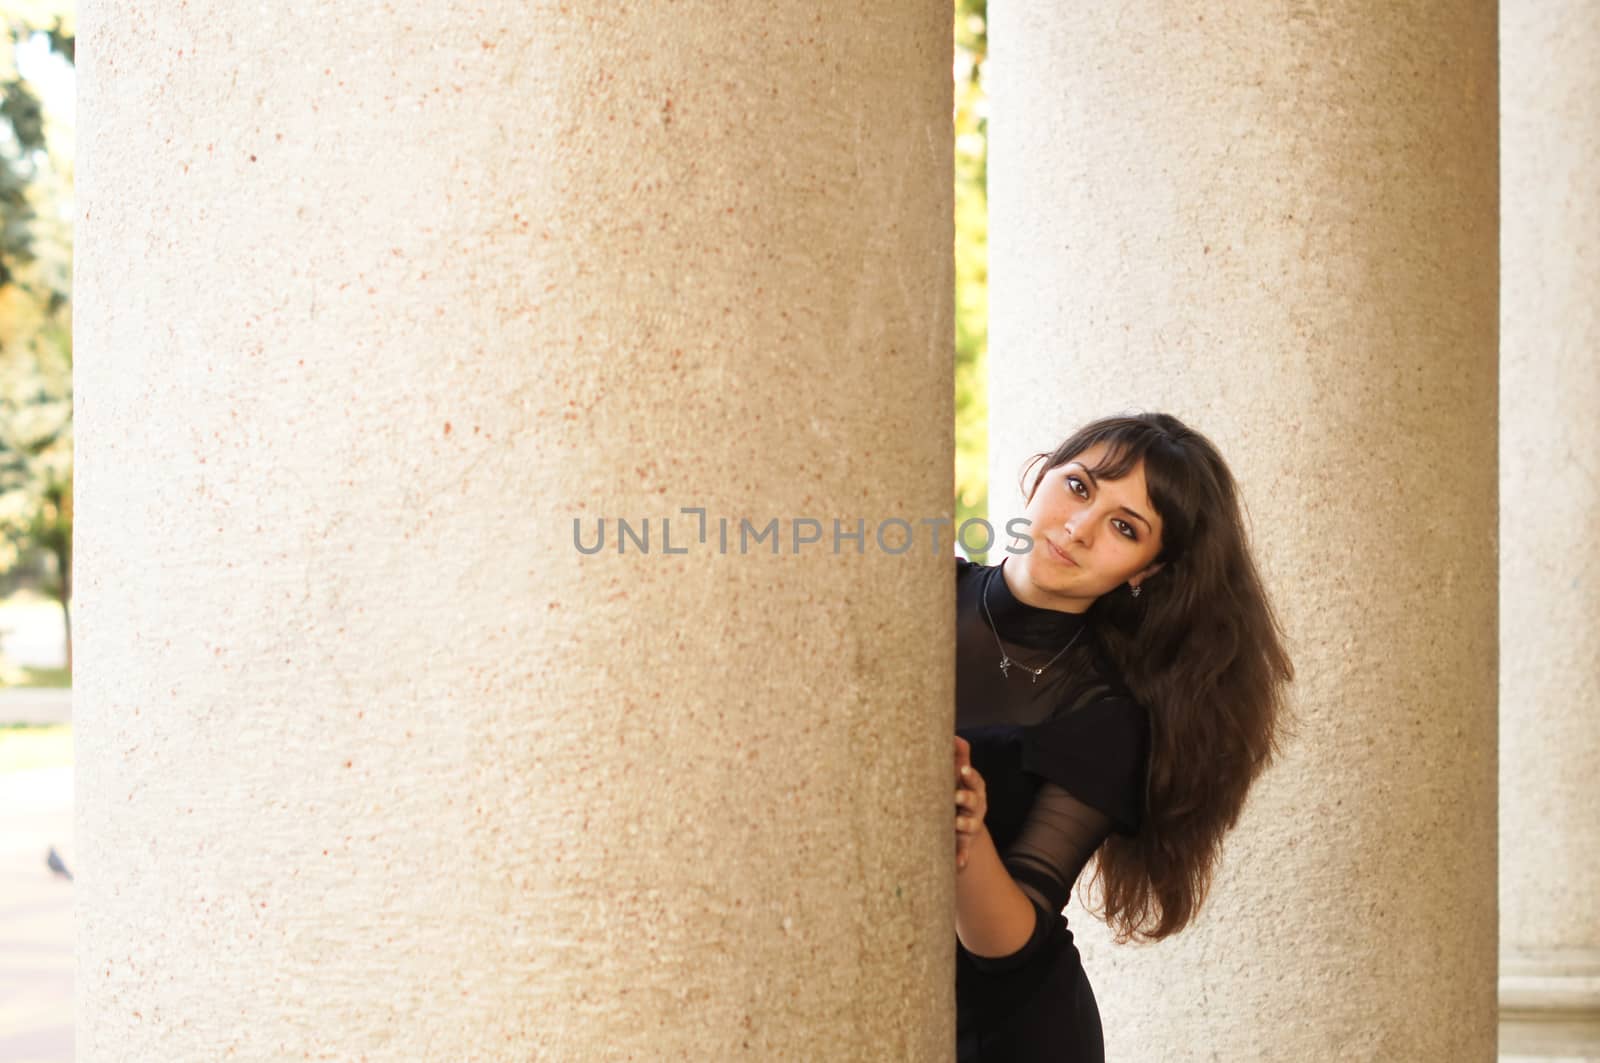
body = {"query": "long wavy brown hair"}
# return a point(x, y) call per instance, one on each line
point(1202, 649)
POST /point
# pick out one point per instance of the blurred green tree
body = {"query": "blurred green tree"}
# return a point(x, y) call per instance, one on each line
point(972, 265)
point(35, 306)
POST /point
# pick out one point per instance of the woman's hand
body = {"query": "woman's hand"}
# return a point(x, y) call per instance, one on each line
point(972, 802)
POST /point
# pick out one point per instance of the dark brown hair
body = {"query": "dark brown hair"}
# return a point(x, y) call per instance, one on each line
point(1202, 650)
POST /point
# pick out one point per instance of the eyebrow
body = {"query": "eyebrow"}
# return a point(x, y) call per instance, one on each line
point(1130, 512)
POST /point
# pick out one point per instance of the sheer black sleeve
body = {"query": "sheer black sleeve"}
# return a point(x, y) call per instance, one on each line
point(1059, 836)
point(1091, 763)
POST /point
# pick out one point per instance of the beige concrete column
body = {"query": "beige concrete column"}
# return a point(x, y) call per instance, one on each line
point(1280, 226)
point(1549, 512)
point(372, 307)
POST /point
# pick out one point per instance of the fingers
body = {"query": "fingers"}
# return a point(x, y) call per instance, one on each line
point(971, 800)
point(972, 803)
point(963, 845)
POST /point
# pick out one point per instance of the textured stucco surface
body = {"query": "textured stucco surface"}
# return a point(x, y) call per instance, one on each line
point(1280, 224)
point(371, 304)
point(1550, 477)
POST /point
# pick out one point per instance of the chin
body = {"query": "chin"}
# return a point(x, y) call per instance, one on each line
point(1054, 577)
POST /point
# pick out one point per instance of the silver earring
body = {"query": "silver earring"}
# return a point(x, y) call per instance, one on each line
point(1135, 587)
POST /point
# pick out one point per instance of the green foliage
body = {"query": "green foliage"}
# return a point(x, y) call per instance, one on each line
point(35, 310)
point(22, 135)
point(972, 262)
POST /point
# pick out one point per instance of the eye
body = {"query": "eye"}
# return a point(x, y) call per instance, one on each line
point(1122, 526)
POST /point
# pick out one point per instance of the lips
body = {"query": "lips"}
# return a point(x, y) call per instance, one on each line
point(1059, 556)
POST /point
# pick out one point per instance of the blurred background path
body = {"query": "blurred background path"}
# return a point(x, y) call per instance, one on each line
point(36, 933)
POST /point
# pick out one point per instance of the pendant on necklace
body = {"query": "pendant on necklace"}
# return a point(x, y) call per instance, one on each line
point(1007, 662)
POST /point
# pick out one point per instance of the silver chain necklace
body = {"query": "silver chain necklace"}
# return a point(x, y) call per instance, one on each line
point(1005, 659)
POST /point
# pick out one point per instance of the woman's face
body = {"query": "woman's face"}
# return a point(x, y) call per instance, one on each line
point(1090, 536)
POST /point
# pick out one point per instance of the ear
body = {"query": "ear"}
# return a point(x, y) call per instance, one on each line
point(1150, 570)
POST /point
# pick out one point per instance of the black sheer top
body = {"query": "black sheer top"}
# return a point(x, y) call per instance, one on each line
point(1063, 757)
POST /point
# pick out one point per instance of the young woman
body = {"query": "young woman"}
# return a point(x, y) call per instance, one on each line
point(1119, 688)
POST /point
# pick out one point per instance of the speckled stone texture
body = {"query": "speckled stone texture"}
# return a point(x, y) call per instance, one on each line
point(1549, 510)
point(1279, 223)
point(372, 305)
